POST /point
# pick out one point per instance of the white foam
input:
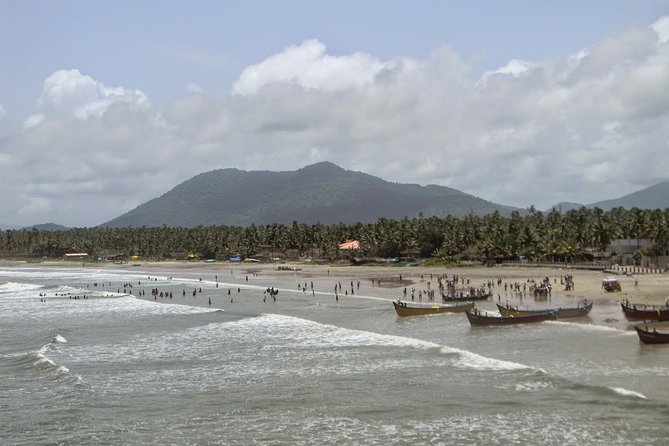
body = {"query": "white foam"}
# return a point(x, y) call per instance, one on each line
point(41, 359)
point(533, 386)
point(59, 339)
point(333, 336)
point(590, 327)
point(133, 307)
point(325, 335)
point(475, 361)
point(625, 392)
point(14, 287)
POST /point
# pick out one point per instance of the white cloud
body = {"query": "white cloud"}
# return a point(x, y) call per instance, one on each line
point(586, 128)
point(33, 120)
point(308, 66)
point(661, 27)
point(514, 68)
point(68, 91)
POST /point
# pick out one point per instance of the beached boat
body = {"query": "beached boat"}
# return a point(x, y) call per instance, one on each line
point(464, 297)
point(641, 312)
point(562, 313)
point(418, 309)
point(288, 268)
point(477, 317)
point(651, 336)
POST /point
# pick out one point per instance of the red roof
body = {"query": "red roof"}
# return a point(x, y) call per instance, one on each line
point(351, 244)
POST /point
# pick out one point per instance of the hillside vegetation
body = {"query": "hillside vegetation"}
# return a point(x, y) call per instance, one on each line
point(321, 192)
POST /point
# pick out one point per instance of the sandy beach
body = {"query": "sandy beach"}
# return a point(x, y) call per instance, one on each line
point(639, 288)
point(209, 355)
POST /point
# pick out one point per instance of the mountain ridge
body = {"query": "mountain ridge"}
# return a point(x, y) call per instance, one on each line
point(292, 189)
point(651, 197)
point(321, 192)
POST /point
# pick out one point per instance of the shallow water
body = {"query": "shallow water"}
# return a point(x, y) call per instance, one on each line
point(306, 368)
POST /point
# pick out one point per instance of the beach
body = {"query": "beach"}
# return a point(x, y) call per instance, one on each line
point(652, 288)
point(200, 353)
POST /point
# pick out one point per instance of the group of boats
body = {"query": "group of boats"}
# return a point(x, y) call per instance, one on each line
point(649, 314)
point(508, 314)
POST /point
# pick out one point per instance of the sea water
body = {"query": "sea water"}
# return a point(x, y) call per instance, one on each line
point(85, 360)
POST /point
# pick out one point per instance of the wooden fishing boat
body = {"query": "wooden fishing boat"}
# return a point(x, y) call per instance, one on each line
point(641, 312)
point(464, 297)
point(477, 317)
point(651, 336)
point(561, 313)
point(418, 309)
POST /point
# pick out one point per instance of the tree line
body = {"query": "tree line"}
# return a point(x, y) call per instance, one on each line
point(535, 235)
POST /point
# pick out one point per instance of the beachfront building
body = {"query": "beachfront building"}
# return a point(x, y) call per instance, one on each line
point(79, 256)
point(178, 255)
point(114, 256)
point(638, 252)
point(75, 256)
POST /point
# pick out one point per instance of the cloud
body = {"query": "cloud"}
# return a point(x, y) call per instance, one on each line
point(589, 127)
point(308, 66)
point(70, 92)
point(194, 88)
point(33, 120)
point(661, 27)
point(530, 132)
point(515, 68)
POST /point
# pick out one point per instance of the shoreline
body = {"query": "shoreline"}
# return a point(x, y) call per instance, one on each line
point(649, 289)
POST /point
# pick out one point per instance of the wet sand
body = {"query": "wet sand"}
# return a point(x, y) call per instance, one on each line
point(641, 288)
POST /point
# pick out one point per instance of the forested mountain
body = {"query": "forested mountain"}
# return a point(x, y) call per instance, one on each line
point(653, 197)
point(322, 192)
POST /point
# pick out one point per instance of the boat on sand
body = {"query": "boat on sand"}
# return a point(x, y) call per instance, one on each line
point(418, 309)
point(561, 312)
point(465, 296)
point(641, 312)
point(477, 317)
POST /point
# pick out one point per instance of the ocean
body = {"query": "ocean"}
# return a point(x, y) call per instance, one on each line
point(85, 360)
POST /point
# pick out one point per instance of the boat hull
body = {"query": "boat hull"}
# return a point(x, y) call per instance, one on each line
point(478, 319)
point(651, 337)
point(561, 313)
point(406, 309)
point(637, 312)
point(464, 298)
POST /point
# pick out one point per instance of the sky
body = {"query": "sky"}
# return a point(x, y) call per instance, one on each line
point(106, 105)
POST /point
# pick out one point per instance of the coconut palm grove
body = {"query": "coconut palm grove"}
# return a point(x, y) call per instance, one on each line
point(553, 236)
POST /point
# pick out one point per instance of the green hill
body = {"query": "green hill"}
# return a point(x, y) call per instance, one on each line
point(47, 227)
point(653, 197)
point(322, 192)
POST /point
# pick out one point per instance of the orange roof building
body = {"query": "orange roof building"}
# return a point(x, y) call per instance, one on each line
point(350, 244)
